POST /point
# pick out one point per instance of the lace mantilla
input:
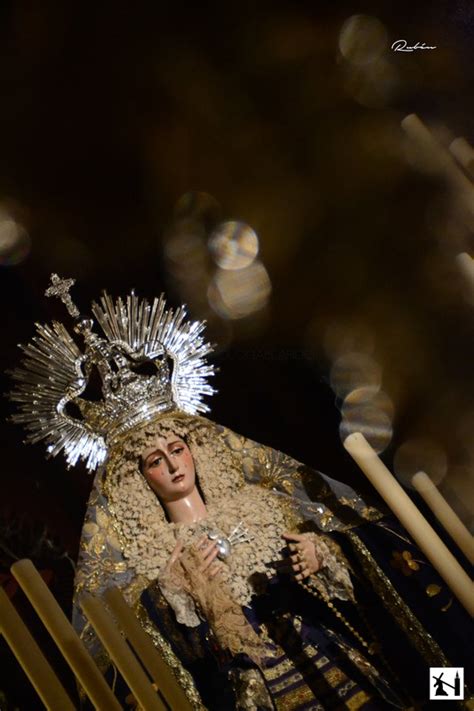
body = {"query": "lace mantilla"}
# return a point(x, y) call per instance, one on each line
point(147, 539)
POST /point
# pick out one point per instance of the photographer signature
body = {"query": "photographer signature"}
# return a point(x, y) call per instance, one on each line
point(402, 46)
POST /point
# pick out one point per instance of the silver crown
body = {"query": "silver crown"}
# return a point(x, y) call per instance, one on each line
point(139, 337)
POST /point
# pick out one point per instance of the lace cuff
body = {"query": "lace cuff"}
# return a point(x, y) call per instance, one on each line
point(180, 600)
point(332, 579)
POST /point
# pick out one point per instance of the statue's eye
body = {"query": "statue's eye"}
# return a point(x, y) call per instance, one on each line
point(155, 462)
point(178, 450)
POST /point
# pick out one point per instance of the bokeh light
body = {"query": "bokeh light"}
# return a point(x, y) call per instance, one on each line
point(237, 294)
point(465, 264)
point(355, 370)
point(187, 260)
point(458, 489)
point(199, 206)
point(420, 454)
point(464, 434)
point(185, 247)
point(15, 242)
point(362, 397)
point(460, 480)
point(372, 422)
point(362, 39)
point(186, 252)
point(340, 338)
point(373, 86)
point(233, 245)
point(421, 156)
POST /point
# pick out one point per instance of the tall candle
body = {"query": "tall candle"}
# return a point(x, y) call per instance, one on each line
point(29, 655)
point(65, 636)
point(411, 518)
point(464, 154)
point(143, 646)
point(466, 265)
point(121, 654)
point(444, 162)
point(444, 513)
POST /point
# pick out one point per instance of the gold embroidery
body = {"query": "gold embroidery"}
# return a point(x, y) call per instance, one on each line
point(447, 606)
point(307, 655)
point(371, 513)
point(358, 700)
point(321, 662)
point(291, 679)
point(295, 698)
point(335, 676)
point(278, 670)
point(409, 623)
point(404, 562)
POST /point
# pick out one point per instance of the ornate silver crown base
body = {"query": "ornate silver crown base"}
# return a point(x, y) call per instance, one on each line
point(56, 371)
point(143, 414)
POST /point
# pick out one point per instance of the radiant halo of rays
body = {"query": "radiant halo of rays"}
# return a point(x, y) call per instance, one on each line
point(54, 373)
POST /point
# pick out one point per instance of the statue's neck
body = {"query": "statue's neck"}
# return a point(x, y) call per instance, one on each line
point(189, 509)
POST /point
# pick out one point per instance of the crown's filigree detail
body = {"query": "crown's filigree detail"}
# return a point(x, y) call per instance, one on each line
point(151, 360)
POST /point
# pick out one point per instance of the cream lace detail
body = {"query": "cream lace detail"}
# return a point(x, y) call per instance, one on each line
point(214, 603)
point(250, 562)
point(180, 601)
point(145, 536)
point(148, 539)
point(333, 578)
point(251, 690)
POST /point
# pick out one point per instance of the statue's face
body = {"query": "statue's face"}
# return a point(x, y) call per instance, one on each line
point(168, 467)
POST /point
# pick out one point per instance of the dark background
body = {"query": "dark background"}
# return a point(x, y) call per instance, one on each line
point(110, 113)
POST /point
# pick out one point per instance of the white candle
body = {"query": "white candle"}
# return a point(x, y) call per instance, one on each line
point(441, 158)
point(466, 265)
point(410, 517)
point(143, 646)
point(64, 635)
point(464, 154)
point(29, 655)
point(444, 513)
point(121, 654)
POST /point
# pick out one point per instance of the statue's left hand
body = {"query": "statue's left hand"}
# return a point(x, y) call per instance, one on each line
point(304, 560)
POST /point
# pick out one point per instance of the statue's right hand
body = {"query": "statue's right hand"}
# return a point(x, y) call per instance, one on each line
point(207, 553)
point(177, 550)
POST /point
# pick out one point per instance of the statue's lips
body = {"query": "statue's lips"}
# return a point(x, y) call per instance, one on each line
point(178, 478)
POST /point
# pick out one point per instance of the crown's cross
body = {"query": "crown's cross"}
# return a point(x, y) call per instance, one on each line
point(60, 288)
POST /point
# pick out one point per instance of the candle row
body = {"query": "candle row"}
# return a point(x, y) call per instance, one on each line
point(410, 517)
point(165, 693)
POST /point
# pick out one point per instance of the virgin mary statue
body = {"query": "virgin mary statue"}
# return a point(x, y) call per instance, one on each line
point(263, 583)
